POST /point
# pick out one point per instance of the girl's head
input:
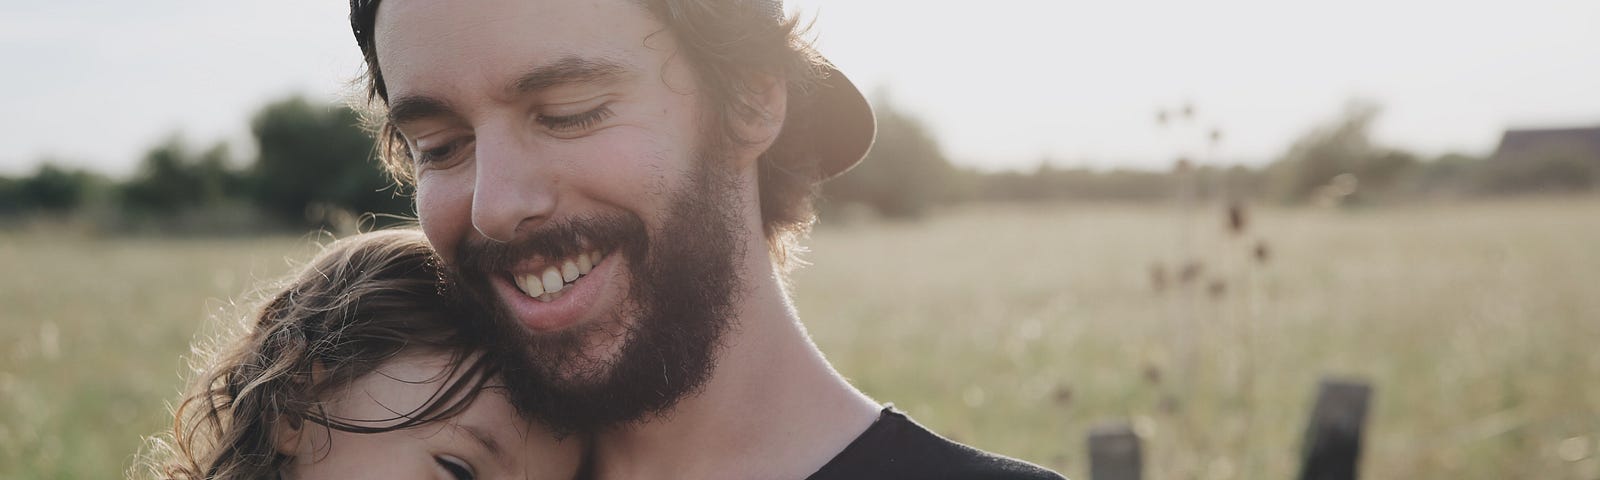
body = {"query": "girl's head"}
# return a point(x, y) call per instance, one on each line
point(357, 369)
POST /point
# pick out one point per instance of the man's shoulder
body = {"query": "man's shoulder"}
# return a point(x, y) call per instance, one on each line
point(897, 447)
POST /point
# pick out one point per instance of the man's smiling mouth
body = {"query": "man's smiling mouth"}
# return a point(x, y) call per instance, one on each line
point(548, 284)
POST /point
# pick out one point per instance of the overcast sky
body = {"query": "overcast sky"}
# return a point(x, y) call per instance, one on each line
point(96, 82)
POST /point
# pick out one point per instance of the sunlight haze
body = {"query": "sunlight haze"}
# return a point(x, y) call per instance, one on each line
point(96, 83)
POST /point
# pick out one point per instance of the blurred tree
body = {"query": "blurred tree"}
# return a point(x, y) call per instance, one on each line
point(1343, 146)
point(53, 189)
point(11, 198)
point(1048, 183)
point(904, 174)
point(316, 159)
point(171, 178)
point(1451, 173)
point(1388, 171)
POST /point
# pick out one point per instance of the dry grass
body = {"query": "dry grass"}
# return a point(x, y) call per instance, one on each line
point(1017, 329)
point(1014, 329)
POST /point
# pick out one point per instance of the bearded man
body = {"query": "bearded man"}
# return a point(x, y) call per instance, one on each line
point(622, 183)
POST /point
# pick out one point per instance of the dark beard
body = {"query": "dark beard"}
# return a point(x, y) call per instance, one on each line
point(666, 333)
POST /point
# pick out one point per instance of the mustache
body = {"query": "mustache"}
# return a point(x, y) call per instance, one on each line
point(556, 239)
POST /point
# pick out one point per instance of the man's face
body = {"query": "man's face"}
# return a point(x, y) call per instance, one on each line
point(563, 170)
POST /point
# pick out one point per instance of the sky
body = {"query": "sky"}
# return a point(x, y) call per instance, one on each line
point(95, 83)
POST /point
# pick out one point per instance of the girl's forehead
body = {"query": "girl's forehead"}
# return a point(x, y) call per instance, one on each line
point(405, 383)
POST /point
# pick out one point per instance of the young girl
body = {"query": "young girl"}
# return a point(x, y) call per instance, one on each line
point(357, 370)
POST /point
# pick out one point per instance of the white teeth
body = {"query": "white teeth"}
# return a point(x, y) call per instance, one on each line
point(585, 263)
point(546, 286)
point(552, 280)
point(530, 285)
point(569, 271)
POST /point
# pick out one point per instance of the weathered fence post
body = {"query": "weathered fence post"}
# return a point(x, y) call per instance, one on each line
point(1114, 452)
point(1332, 449)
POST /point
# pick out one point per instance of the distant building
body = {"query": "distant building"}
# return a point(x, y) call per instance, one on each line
point(1545, 160)
point(1526, 143)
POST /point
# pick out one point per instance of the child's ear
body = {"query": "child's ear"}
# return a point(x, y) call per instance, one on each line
point(286, 433)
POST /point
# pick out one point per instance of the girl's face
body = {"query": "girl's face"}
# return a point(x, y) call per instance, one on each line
point(487, 440)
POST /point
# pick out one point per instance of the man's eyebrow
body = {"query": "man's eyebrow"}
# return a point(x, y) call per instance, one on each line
point(416, 107)
point(567, 70)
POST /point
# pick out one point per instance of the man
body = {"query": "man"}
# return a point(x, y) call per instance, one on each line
point(623, 182)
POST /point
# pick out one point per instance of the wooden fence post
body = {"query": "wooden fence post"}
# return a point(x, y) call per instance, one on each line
point(1332, 448)
point(1114, 452)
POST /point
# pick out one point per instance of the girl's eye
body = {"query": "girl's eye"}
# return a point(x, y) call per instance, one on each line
point(576, 123)
point(458, 469)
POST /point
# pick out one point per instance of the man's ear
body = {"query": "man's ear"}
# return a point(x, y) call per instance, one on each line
point(769, 97)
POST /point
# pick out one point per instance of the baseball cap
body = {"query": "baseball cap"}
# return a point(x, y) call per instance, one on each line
point(840, 119)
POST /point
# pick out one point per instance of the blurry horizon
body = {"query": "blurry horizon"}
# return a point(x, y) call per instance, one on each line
point(1197, 307)
point(97, 83)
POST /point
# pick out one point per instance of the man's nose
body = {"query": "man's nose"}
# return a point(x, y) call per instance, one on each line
point(515, 188)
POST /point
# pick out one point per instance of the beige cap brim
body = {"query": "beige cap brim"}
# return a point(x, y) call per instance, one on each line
point(842, 124)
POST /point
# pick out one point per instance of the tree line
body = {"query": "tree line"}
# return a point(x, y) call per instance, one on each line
point(1336, 163)
point(314, 168)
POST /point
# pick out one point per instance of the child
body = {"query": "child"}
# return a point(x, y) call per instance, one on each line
point(357, 370)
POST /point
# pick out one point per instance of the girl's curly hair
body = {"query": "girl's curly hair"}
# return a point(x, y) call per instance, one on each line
point(360, 302)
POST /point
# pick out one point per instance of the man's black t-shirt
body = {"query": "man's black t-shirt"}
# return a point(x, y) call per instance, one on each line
point(896, 447)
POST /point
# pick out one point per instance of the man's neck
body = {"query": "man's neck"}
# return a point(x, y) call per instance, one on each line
point(774, 407)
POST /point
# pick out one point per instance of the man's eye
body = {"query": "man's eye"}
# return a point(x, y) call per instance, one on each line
point(457, 468)
point(576, 123)
point(440, 154)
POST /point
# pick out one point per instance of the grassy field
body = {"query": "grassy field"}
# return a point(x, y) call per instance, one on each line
point(1014, 329)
